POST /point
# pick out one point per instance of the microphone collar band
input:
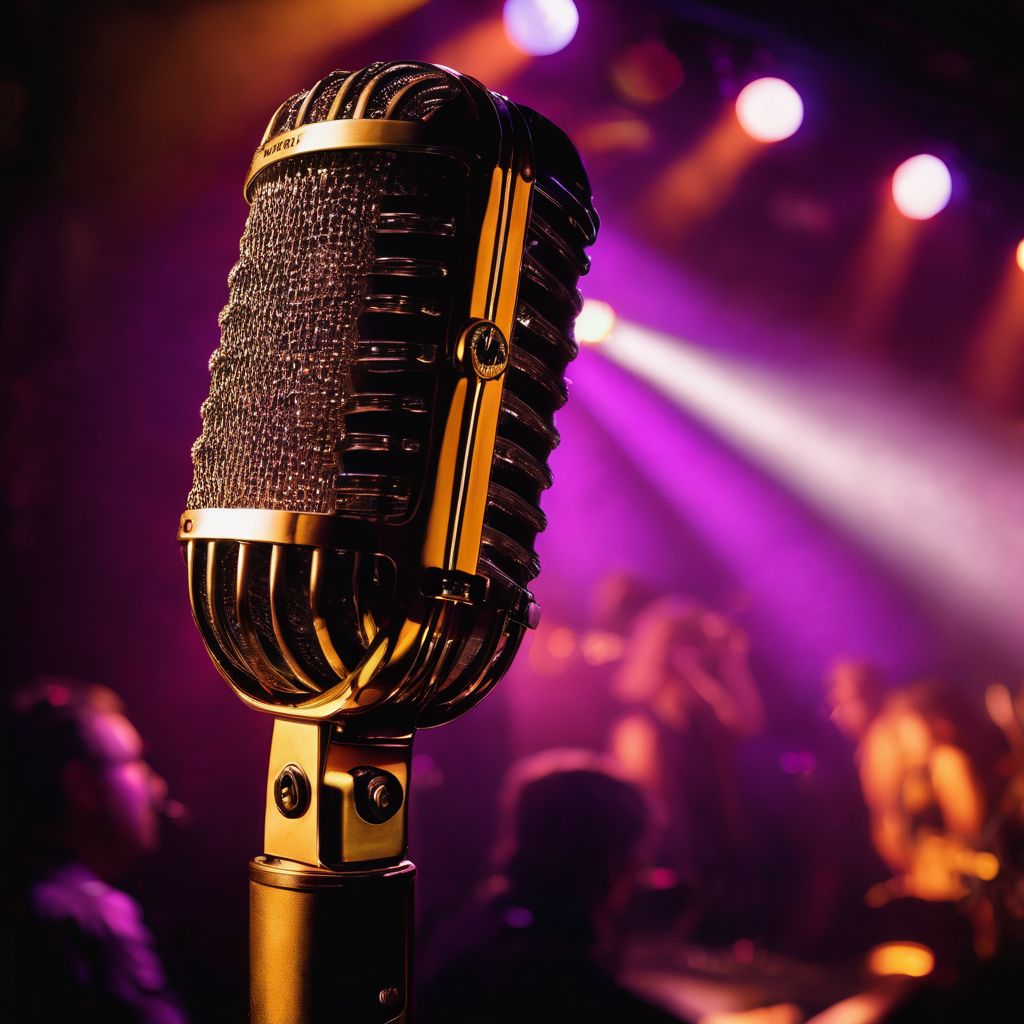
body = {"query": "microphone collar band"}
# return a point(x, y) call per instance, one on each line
point(349, 133)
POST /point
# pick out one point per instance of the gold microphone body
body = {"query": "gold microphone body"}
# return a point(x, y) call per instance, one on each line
point(359, 537)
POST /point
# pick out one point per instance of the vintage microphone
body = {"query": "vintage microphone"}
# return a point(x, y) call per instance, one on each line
point(360, 533)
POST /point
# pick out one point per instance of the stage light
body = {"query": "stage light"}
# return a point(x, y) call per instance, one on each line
point(909, 959)
point(646, 72)
point(613, 135)
point(562, 643)
point(769, 110)
point(541, 27)
point(595, 322)
point(921, 186)
point(1020, 255)
point(927, 491)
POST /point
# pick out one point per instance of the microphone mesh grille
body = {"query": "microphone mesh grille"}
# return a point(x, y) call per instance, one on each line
point(273, 422)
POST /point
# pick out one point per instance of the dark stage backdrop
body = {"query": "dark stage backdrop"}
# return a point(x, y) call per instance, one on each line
point(126, 131)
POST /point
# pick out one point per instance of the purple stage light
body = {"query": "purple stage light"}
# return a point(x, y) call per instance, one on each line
point(541, 27)
point(921, 186)
point(769, 110)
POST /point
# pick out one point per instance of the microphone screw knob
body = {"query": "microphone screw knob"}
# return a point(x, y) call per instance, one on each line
point(377, 793)
point(291, 791)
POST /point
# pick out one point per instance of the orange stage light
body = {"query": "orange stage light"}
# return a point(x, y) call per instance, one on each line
point(628, 134)
point(863, 303)
point(485, 52)
point(697, 184)
point(994, 365)
point(909, 959)
point(203, 77)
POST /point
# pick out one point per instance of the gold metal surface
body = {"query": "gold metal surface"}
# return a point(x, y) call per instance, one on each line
point(310, 925)
point(331, 833)
point(277, 557)
point(263, 660)
point(331, 906)
point(301, 743)
point(267, 526)
point(316, 599)
point(347, 133)
point(219, 627)
point(328, 947)
point(355, 839)
point(455, 525)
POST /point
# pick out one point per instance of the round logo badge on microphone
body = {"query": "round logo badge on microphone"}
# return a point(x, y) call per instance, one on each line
point(488, 350)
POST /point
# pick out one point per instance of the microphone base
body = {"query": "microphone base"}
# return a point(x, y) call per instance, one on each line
point(328, 946)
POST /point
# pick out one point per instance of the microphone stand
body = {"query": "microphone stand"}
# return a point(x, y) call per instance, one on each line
point(331, 900)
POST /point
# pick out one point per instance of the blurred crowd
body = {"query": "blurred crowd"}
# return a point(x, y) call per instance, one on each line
point(680, 866)
point(745, 881)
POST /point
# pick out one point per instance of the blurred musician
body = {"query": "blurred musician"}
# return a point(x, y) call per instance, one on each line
point(929, 772)
point(687, 697)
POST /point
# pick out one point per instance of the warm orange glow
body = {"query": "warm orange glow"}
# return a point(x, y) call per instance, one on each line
point(780, 1013)
point(1020, 255)
point(864, 1008)
point(600, 648)
point(994, 365)
point(634, 744)
point(905, 958)
point(485, 52)
point(984, 866)
point(200, 76)
point(863, 303)
point(622, 133)
point(999, 705)
point(698, 183)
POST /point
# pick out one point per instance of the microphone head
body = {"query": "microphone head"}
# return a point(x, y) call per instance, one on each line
point(360, 531)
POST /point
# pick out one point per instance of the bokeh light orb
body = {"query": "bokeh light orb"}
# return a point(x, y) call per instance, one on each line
point(595, 322)
point(910, 959)
point(646, 72)
point(541, 27)
point(769, 109)
point(921, 186)
point(1020, 255)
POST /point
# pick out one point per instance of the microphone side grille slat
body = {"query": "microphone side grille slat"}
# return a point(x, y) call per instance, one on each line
point(318, 613)
point(262, 656)
point(278, 619)
point(394, 356)
point(542, 345)
point(213, 606)
point(514, 455)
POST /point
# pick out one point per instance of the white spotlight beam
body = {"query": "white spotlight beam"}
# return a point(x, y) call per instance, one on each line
point(939, 498)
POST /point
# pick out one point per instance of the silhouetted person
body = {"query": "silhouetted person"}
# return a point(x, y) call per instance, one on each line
point(688, 701)
point(86, 808)
point(539, 944)
point(920, 754)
